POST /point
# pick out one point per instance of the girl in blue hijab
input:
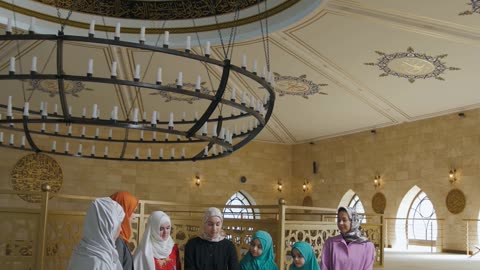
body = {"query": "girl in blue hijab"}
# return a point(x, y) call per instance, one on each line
point(304, 257)
point(260, 254)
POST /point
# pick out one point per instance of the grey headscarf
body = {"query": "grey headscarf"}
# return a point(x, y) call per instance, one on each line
point(355, 234)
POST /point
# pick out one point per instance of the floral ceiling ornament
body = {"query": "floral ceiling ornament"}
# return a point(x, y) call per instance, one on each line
point(296, 86)
point(177, 97)
point(411, 65)
point(50, 87)
point(474, 9)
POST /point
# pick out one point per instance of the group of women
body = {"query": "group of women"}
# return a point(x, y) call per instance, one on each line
point(107, 230)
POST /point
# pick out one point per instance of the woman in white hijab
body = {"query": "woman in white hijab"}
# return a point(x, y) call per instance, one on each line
point(96, 250)
point(211, 251)
point(157, 251)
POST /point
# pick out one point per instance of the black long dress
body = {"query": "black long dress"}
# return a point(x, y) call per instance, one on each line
point(202, 254)
point(124, 255)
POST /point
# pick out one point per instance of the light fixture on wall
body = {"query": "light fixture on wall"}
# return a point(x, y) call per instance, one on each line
point(377, 181)
point(305, 185)
point(35, 127)
point(197, 180)
point(279, 186)
point(452, 176)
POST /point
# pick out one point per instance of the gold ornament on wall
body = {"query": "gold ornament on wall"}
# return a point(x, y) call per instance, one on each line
point(34, 170)
point(379, 203)
point(455, 201)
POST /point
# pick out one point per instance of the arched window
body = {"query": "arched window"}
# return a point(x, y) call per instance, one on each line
point(421, 222)
point(356, 203)
point(246, 212)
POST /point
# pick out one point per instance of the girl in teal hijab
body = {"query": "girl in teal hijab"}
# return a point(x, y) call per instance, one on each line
point(304, 257)
point(260, 254)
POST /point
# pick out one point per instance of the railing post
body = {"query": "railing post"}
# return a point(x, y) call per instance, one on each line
point(468, 241)
point(141, 222)
point(42, 228)
point(281, 235)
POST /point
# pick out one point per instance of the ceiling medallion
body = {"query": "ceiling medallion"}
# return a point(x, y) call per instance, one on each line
point(411, 65)
point(296, 86)
point(178, 97)
point(51, 87)
point(475, 8)
point(152, 10)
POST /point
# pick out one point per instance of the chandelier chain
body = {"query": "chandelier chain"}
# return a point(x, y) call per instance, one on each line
point(63, 22)
point(18, 50)
point(265, 35)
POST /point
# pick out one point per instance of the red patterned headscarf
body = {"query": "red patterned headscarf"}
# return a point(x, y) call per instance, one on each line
point(128, 203)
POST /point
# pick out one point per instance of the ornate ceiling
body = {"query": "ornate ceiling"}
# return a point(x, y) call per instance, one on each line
point(341, 66)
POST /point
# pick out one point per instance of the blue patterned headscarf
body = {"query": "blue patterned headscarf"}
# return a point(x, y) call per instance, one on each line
point(355, 234)
point(264, 261)
point(308, 254)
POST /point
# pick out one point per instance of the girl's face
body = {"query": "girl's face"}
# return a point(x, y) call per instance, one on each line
point(213, 226)
point(298, 258)
point(165, 230)
point(133, 215)
point(256, 248)
point(343, 222)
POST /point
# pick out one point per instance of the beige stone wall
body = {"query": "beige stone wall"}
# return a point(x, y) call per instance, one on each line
point(419, 153)
point(261, 163)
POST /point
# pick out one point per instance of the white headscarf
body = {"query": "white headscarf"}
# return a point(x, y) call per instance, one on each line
point(212, 212)
point(97, 249)
point(152, 245)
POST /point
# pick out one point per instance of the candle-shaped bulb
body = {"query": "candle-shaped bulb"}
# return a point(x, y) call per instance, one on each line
point(137, 73)
point(244, 61)
point(205, 151)
point(207, 49)
point(22, 143)
point(70, 130)
point(26, 109)
point(172, 153)
point(9, 107)
point(160, 155)
point(12, 65)
point(137, 153)
point(91, 31)
point(153, 122)
point(154, 136)
point(159, 76)
point(9, 26)
point(92, 151)
point(170, 121)
point(55, 109)
point(183, 152)
point(90, 67)
point(115, 113)
point(255, 64)
point(67, 147)
point(264, 72)
point(141, 135)
point(83, 131)
point(70, 110)
point(180, 79)
point(166, 38)
point(142, 34)
point(32, 27)
point(135, 115)
point(84, 112)
point(198, 84)
point(12, 139)
point(149, 153)
point(244, 98)
point(214, 132)
point(232, 97)
point(80, 149)
point(114, 69)
point(117, 31)
point(94, 111)
point(97, 133)
point(196, 116)
point(188, 47)
point(34, 64)
point(222, 133)
point(105, 151)
point(110, 134)
point(184, 116)
point(54, 146)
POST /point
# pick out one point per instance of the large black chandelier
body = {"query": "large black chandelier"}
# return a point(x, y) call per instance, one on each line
point(140, 135)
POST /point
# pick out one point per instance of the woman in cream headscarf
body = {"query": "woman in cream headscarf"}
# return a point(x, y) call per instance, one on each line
point(129, 203)
point(157, 251)
point(349, 250)
point(97, 247)
point(211, 251)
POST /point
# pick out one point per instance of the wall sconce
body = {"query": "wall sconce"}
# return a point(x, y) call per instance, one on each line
point(197, 180)
point(452, 176)
point(305, 185)
point(377, 181)
point(279, 186)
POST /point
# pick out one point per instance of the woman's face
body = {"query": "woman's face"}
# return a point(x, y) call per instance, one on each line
point(298, 258)
point(343, 222)
point(133, 216)
point(165, 229)
point(213, 226)
point(256, 248)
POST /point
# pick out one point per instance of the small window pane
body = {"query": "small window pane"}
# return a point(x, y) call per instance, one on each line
point(239, 213)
